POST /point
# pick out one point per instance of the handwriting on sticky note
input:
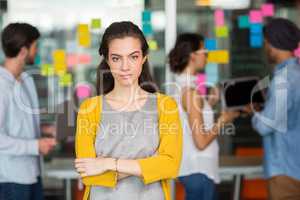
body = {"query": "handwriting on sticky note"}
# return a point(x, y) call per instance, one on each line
point(219, 17)
point(83, 91)
point(267, 10)
point(256, 16)
point(218, 56)
point(83, 35)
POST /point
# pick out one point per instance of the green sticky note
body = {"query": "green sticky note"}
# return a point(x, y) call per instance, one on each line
point(47, 70)
point(222, 31)
point(96, 23)
point(152, 45)
point(243, 21)
point(65, 80)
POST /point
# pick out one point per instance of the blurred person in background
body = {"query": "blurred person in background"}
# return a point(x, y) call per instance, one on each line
point(20, 142)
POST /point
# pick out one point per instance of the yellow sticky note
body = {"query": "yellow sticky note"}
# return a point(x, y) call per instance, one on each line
point(83, 35)
point(47, 70)
point(65, 80)
point(152, 45)
point(219, 56)
point(203, 2)
point(96, 23)
point(221, 31)
point(59, 61)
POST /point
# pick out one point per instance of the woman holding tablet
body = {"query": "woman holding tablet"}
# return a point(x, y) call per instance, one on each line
point(199, 167)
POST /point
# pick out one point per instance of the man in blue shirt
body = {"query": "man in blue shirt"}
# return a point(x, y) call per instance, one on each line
point(20, 142)
point(279, 121)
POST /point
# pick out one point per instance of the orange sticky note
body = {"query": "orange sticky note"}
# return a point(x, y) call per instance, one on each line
point(203, 2)
point(218, 56)
point(59, 61)
point(83, 35)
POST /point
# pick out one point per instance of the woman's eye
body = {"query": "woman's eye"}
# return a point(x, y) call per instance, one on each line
point(134, 57)
point(115, 59)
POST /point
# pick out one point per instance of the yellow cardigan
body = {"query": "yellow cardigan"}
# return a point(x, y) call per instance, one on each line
point(161, 167)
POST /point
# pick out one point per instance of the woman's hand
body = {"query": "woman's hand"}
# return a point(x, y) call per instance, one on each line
point(93, 166)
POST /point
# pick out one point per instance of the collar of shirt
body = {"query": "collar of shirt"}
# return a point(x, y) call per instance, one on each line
point(8, 75)
point(286, 63)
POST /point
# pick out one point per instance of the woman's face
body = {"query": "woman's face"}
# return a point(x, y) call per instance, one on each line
point(199, 57)
point(125, 59)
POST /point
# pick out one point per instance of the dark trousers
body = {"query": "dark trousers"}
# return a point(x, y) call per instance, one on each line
point(15, 191)
point(198, 187)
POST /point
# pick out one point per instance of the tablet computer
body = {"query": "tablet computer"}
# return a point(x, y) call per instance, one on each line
point(239, 92)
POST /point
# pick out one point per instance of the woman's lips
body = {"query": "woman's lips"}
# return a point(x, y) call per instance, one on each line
point(125, 76)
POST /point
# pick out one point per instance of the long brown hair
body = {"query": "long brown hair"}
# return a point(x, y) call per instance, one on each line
point(117, 30)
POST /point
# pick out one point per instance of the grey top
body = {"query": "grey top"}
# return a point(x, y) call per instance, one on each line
point(19, 129)
point(128, 135)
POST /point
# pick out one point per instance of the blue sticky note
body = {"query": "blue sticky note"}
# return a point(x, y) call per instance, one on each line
point(210, 44)
point(147, 29)
point(212, 73)
point(256, 28)
point(243, 21)
point(146, 16)
point(256, 40)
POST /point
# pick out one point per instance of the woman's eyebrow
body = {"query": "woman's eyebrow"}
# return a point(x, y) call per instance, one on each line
point(114, 54)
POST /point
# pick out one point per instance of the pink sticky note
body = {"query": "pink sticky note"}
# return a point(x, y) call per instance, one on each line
point(83, 91)
point(297, 52)
point(219, 17)
point(72, 60)
point(201, 84)
point(256, 16)
point(267, 9)
point(85, 59)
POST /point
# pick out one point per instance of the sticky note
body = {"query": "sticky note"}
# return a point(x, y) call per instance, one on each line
point(146, 16)
point(85, 59)
point(243, 21)
point(219, 17)
point(47, 70)
point(210, 44)
point(147, 29)
point(96, 23)
point(256, 28)
point(256, 16)
point(297, 52)
point(267, 10)
point(201, 84)
point(203, 2)
point(152, 45)
point(212, 73)
point(83, 35)
point(72, 60)
point(221, 31)
point(83, 91)
point(218, 56)
point(256, 40)
point(37, 59)
point(65, 80)
point(59, 61)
